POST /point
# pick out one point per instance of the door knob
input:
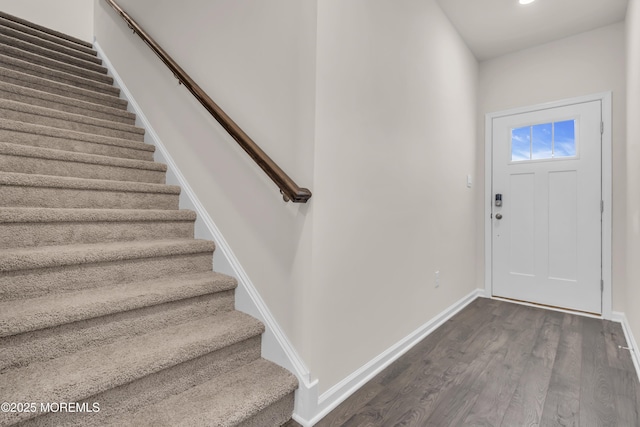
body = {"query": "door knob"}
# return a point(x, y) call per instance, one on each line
point(498, 216)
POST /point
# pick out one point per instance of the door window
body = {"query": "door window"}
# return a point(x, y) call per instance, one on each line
point(544, 141)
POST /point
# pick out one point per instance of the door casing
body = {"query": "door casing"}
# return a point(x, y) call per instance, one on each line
point(605, 98)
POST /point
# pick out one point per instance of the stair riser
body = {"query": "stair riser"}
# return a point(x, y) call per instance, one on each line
point(32, 58)
point(69, 108)
point(26, 80)
point(20, 350)
point(45, 281)
point(27, 117)
point(41, 43)
point(32, 165)
point(75, 146)
point(60, 77)
point(67, 233)
point(70, 46)
point(274, 415)
point(21, 196)
point(116, 402)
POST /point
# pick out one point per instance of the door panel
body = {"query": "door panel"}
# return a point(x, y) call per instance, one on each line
point(563, 230)
point(521, 215)
point(546, 236)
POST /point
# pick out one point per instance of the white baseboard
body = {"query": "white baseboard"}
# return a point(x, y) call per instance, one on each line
point(337, 394)
point(631, 341)
point(275, 345)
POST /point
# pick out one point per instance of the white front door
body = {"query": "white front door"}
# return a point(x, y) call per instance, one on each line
point(547, 233)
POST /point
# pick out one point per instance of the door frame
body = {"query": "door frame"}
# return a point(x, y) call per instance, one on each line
point(605, 98)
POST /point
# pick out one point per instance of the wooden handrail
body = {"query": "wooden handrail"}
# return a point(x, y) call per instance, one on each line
point(288, 188)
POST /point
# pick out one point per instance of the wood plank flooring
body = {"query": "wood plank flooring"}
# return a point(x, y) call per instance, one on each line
point(502, 364)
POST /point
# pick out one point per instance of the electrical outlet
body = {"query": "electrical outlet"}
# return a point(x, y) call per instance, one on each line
point(436, 279)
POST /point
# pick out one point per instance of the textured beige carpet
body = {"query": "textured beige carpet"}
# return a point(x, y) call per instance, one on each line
point(110, 311)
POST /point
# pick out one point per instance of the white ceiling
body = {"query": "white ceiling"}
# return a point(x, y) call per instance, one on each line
point(495, 27)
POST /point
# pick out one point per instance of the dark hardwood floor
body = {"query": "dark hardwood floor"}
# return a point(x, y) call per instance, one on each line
point(502, 364)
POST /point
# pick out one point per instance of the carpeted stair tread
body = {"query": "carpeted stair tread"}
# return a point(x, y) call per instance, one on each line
point(22, 112)
point(32, 134)
point(69, 156)
point(55, 64)
point(44, 344)
point(29, 215)
point(48, 49)
point(27, 315)
point(56, 256)
point(64, 90)
point(82, 272)
point(45, 30)
point(74, 377)
point(40, 98)
point(34, 160)
point(25, 65)
point(238, 395)
point(11, 29)
point(51, 191)
point(46, 181)
point(31, 227)
point(57, 60)
point(33, 32)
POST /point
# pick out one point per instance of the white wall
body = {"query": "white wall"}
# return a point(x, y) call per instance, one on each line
point(633, 167)
point(385, 147)
point(72, 17)
point(395, 140)
point(584, 64)
point(257, 61)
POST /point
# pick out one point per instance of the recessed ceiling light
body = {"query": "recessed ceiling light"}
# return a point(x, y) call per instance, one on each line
point(526, 1)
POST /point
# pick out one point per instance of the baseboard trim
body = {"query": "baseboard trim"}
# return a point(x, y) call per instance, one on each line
point(276, 347)
point(337, 394)
point(631, 341)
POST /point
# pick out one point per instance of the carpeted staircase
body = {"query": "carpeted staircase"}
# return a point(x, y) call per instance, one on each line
point(105, 296)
